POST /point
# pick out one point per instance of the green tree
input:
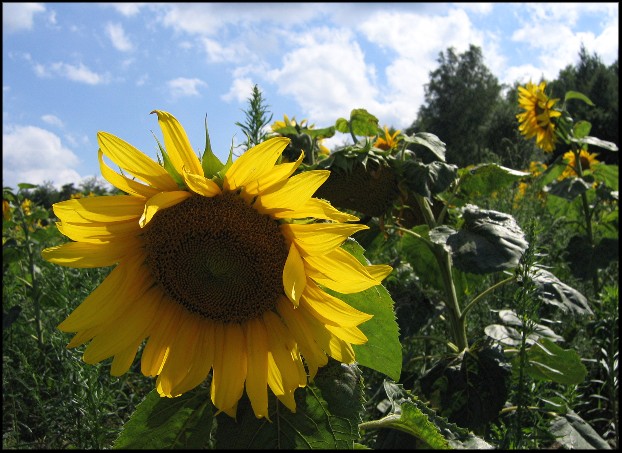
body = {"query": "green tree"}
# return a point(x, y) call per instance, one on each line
point(598, 82)
point(256, 119)
point(459, 100)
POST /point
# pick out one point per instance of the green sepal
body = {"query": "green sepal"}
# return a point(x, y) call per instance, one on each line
point(169, 167)
point(210, 163)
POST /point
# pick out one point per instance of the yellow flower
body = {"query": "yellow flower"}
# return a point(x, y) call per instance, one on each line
point(227, 275)
point(389, 141)
point(27, 206)
point(537, 168)
point(6, 210)
point(588, 161)
point(537, 119)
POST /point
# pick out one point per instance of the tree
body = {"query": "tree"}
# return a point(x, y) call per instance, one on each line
point(459, 100)
point(256, 119)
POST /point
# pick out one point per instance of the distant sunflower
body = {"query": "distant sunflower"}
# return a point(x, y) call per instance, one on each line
point(588, 162)
point(537, 119)
point(389, 141)
point(223, 273)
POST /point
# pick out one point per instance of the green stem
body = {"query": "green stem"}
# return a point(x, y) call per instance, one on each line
point(485, 293)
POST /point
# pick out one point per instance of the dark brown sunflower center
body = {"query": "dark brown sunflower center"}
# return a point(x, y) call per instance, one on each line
point(217, 256)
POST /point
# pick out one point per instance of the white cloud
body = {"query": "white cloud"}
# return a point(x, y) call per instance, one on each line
point(240, 91)
point(183, 87)
point(35, 155)
point(19, 16)
point(219, 53)
point(52, 120)
point(79, 73)
point(118, 38)
point(127, 9)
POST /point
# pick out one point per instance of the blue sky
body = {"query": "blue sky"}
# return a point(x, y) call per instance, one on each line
point(73, 69)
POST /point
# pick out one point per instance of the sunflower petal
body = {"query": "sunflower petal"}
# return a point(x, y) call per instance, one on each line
point(230, 366)
point(123, 360)
point(203, 359)
point(257, 379)
point(122, 183)
point(294, 276)
point(113, 208)
point(177, 144)
point(135, 162)
point(201, 185)
point(293, 194)
point(319, 238)
point(160, 201)
point(254, 163)
point(329, 309)
point(278, 175)
point(85, 255)
point(98, 232)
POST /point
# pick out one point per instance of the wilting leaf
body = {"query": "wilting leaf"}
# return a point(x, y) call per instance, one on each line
point(484, 179)
point(428, 179)
point(552, 291)
point(568, 188)
point(573, 433)
point(489, 241)
point(431, 143)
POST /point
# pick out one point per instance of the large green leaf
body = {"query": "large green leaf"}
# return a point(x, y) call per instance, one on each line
point(418, 254)
point(489, 241)
point(568, 188)
point(485, 179)
point(428, 179)
point(549, 362)
point(314, 425)
point(550, 290)
point(608, 174)
point(573, 433)
point(363, 123)
point(430, 142)
point(383, 351)
point(169, 423)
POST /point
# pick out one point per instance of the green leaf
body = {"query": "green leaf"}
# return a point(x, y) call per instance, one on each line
point(326, 132)
point(169, 167)
point(596, 142)
point(25, 185)
point(363, 123)
point(608, 174)
point(584, 258)
point(430, 142)
point(573, 433)
point(342, 125)
point(485, 179)
point(418, 254)
point(577, 95)
point(169, 423)
point(383, 351)
point(549, 362)
point(428, 179)
point(489, 241)
point(551, 291)
point(312, 426)
point(581, 128)
point(210, 163)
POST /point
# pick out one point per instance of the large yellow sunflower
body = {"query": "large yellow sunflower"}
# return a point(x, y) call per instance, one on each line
point(389, 141)
point(226, 273)
point(536, 120)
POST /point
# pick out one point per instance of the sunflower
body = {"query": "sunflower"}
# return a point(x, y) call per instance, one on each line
point(390, 141)
point(588, 162)
point(223, 273)
point(537, 119)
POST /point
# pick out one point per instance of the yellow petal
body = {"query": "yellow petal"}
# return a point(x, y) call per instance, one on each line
point(294, 276)
point(282, 346)
point(329, 309)
point(319, 238)
point(135, 162)
point(229, 365)
point(123, 360)
point(320, 209)
point(339, 271)
point(98, 232)
point(203, 359)
point(331, 344)
point(108, 299)
point(257, 379)
point(177, 144)
point(254, 163)
point(84, 254)
point(201, 185)
point(161, 334)
point(278, 175)
point(293, 194)
point(122, 183)
point(114, 208)
point(160, 201)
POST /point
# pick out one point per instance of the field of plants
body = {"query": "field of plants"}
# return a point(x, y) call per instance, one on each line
point(496, 328)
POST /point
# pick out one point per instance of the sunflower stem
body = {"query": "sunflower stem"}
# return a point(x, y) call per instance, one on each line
point(481, 295)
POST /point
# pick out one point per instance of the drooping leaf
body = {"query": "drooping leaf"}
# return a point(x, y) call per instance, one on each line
point(343, 389)
point(568, 188)
point(363, 123)
point(610, 146)
point(550, 290)
point(383, 351)
point(169, 423)
point(570, 94)
point(326, 132)
point(25, 185)
point(431, 143)
point(312, 426)
point(549, 362)
point(510, 335)
point(489, 241)
point(428, 179)
point(574, 433)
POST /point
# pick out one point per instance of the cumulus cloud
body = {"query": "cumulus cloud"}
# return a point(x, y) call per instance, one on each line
point(77, 73)
point(127, 9)
point(19, 16)
point(35, 155)
point(240, 91)
point(118, 38)
point(183, 87)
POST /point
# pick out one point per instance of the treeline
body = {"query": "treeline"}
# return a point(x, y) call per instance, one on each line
point(46, 194)
point(475, 115)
